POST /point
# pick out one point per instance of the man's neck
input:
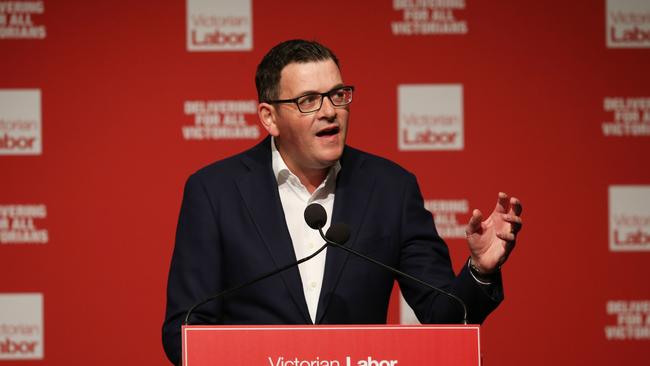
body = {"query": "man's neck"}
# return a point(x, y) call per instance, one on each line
point(314, 180)
point(310, 178)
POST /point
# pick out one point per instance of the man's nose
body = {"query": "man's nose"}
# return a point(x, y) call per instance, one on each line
point(327, 109)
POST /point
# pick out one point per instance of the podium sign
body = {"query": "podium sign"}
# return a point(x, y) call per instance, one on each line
point(325, 345)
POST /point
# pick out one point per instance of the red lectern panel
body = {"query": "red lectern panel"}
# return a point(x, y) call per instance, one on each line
point(325, 345)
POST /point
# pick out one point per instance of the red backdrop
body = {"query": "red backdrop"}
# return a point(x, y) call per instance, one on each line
point(114, 77)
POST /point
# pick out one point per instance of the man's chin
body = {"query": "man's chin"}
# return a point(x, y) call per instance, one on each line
point(333, 153)
point(330, 151)
point(328, 160)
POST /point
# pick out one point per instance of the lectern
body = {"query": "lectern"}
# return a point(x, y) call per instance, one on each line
point(329, 345)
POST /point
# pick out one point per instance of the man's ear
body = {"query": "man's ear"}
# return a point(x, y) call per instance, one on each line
point(268, 116)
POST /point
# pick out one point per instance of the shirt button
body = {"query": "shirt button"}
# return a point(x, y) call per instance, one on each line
point(313, 284)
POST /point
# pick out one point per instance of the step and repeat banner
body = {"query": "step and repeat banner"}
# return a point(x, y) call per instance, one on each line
point(106, 107)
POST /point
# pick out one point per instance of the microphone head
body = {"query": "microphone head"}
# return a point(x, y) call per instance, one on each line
point(315, 216)
point(338, 233)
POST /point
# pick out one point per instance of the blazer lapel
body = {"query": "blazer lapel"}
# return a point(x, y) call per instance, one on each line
point(259, 191)
point(353, 190)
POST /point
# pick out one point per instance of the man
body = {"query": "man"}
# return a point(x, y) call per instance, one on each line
point(243, 216)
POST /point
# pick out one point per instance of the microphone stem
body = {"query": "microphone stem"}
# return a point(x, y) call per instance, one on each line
point(398, 272)
point(256, 279)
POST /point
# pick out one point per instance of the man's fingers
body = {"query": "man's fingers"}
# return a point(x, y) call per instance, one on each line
point(502, 203)
point(474, 225)
point(512, 219)
point(515, 222)
point(510, 245)
point(508, 237)
point(515, 206)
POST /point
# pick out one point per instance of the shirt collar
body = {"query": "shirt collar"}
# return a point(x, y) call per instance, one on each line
point(281, 170)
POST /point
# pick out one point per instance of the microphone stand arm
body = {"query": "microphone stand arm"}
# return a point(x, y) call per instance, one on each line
point(398, 272)
point(248, 283)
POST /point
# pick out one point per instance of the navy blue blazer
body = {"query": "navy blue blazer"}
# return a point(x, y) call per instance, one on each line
point(232, 228)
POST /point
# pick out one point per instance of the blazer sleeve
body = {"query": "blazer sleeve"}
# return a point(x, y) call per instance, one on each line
point(194, 271)
point(425, 255)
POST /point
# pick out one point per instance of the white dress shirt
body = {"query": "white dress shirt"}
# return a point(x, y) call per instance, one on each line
point(295, 198)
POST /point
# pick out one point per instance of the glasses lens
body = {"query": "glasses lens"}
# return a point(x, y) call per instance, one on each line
point(309, 102)
point(341, 96)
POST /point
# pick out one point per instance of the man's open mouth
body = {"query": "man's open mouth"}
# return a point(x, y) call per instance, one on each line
point(330, 131)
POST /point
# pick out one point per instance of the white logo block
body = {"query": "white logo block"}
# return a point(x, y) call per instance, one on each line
point(629, 218)
point(21, 326)
point(430, 117)
point(628, 24)
point(219, 25)
point(20, 122)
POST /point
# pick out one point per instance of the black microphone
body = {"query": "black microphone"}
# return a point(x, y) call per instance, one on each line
point(315, 219)
point(315, 216)
point(338, 233)
point(318, 215)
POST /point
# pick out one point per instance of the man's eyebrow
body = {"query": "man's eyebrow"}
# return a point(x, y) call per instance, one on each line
point(307, 92)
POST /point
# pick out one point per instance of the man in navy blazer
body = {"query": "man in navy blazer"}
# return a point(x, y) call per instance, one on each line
point(234, 220)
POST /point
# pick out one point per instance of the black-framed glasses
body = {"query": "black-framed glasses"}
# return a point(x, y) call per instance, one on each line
point(312, 102)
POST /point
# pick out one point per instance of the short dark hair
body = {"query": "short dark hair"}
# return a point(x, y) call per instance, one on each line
point(267, 77)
